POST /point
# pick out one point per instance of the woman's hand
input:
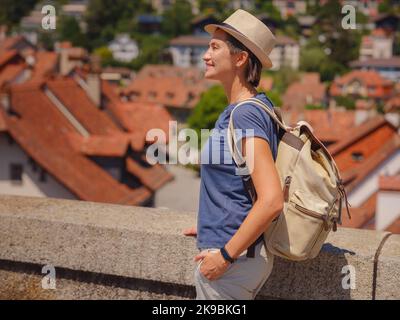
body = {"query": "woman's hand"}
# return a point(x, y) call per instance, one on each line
point(190, 232)
point(213, 264)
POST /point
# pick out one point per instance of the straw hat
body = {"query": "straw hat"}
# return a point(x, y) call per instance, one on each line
point(250, 31)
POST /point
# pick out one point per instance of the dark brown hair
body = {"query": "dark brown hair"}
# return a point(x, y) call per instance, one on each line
point(254, 66)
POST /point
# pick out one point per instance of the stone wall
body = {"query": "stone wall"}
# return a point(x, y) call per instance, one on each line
point(103, 251)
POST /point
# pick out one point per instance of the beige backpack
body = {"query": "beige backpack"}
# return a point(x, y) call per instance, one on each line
point(312, 187)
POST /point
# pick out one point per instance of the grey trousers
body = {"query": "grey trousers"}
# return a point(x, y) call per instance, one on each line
point(242, 280)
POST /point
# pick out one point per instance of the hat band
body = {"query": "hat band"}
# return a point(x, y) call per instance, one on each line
point(233, 28)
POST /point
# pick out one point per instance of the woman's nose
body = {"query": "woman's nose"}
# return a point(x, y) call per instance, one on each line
point(206, 56)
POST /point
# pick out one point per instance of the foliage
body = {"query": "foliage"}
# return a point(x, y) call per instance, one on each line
point(12, 11)
point(105, 54)
point(314, 107)
point(69, 30)
point(106, 18)
point(208, 109)
point(346, 102)
point(176, 20)
point(275, 97)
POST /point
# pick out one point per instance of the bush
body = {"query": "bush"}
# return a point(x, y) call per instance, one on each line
point(346, 102)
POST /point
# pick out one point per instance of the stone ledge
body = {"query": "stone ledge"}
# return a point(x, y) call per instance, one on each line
point(140, 253)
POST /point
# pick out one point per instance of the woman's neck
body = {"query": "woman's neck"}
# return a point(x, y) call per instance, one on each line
point(237, 90)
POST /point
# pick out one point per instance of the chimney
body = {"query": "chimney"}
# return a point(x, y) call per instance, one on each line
point(3, 32)
point(5, 101)
point(93, 80)
point(65, 66)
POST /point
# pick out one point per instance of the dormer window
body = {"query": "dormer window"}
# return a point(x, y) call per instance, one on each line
point(16, 170)
point(357, 156)
point(170, 95)
point(152, 94)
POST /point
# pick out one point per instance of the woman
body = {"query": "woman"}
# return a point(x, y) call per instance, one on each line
point(230, 227)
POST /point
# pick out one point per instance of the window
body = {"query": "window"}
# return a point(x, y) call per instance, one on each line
point(42, 177)
point(152, 94)
point(16, 170)
point(357, 156)
point(170, 95)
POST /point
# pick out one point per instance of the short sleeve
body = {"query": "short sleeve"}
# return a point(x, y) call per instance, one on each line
point(252, 121)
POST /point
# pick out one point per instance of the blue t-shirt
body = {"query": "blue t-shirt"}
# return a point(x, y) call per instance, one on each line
point(224, 202)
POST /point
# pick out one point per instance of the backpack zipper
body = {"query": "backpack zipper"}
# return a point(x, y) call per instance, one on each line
point(314, 214)
point(288, 180)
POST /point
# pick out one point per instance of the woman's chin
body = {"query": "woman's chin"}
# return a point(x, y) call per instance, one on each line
point(209, 75)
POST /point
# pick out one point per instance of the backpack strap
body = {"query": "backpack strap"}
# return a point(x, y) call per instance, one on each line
point(236, 148)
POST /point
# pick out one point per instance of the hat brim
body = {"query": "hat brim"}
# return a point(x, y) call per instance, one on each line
point(258, 52)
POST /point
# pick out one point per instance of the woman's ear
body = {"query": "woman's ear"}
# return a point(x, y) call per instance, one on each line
point(241, 59)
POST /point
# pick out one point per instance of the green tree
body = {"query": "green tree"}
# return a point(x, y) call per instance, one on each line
point(105, 54)
point(105, 18)
point(208, 109)
point(311, 59)
point(314, 107)
point(283, 78)
point(346, 102)
point(219, 8)
point(11, 11)
point(176, 20)
point(150, 50)
point(343, 44)
point(262, 6)
point(69, 30)
point(275, 97)
point(384, 6)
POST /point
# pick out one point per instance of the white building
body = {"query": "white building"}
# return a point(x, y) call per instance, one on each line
point(376, 46)
point(20, 175)
point(123, 48)
point(290, 7)
point(188, 51)
point(285, 53)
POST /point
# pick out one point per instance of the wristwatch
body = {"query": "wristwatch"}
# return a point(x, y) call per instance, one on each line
point(226, 255)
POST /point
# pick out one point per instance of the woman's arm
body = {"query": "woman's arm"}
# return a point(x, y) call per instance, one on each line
point(269, 201)
point(268, 205)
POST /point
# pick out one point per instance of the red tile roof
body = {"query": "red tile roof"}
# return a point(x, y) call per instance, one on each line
point(46, 63)
point(9, 42)
point(363, 170)
point(266, 83)
point(137, 118)
point(80, 105)
point(41, 132)
point(382, 88)
point(284, 40)
point(329, 125)
point(3, 125)
point(360, 132)
point(152, 177)
point(10, 72)
point(393, 104)
point(171, 86)
point(190, 41)
point(7, 56)
point(51, 140)
point(394, 227)
point(362, 215)
point(377, 62)
point(96, 145)
point(309, 90)
point(389, 183)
